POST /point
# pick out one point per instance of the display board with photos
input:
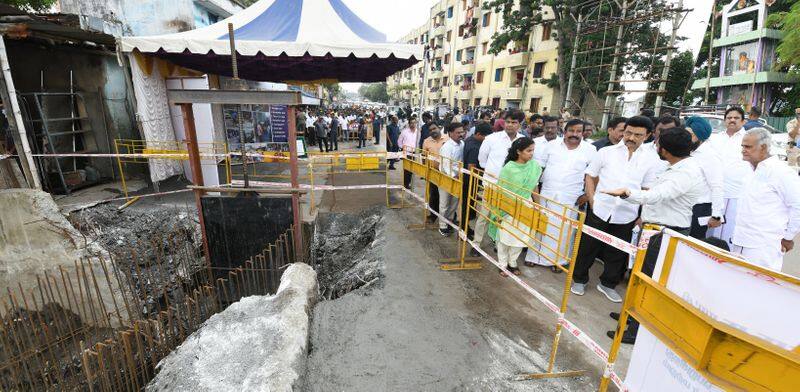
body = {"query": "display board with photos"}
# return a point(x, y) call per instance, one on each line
point(262, 128)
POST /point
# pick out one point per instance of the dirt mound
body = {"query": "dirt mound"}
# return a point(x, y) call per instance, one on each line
point(346, 251)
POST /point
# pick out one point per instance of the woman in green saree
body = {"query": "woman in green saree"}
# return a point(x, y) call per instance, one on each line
point(520, 176)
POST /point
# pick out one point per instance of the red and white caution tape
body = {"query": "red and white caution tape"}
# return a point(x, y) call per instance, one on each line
point(582, 337)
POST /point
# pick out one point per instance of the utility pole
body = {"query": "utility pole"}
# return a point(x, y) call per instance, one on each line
point(711, 50)
point(676, 23)
point(614, 63)
point(568, 95)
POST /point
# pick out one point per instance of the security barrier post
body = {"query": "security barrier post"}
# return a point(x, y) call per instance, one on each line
point(427, 183)
point(463, 262)
point(121, 170)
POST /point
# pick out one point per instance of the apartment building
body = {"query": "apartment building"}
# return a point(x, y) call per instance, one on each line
point(461, 72)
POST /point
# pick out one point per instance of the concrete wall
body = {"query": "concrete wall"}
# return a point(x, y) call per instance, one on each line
point(144, 17)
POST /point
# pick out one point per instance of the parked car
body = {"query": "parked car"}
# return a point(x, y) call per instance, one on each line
point(779, 136)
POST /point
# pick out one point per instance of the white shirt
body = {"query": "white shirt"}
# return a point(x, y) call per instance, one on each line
point(769, 207)
point(713, 187)
point(310, 121)
point(615, 170)
point(670, 201)
point(541, 145)
point(564, 169)
point(452, 153)
point(735, 170)
point(652, 150)
point(493, 153)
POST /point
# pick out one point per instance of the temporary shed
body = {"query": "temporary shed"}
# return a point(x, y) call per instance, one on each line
point(286, 40)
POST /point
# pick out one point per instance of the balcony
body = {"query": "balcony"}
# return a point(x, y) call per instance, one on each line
point(436, 72)
point(439, 30)
point(513, 93)
point(518, 59)
point(469, 41)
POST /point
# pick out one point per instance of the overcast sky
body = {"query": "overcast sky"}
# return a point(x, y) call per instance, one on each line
point(396, 18)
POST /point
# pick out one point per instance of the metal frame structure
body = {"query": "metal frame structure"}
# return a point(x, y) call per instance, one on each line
point(612, 17)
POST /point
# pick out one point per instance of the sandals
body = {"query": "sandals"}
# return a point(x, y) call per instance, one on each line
point(513, 270)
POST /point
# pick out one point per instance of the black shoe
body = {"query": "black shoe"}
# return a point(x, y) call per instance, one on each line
point(445, 232)
point(627, 337)
point(614, 315)
point(474, 253)
point(555, 269)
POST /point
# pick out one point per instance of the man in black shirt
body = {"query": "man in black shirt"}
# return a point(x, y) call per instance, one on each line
point(471, 147)
point(615, 129)
point(425, 130)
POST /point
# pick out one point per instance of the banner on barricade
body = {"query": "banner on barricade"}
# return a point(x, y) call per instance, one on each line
point(745, 299)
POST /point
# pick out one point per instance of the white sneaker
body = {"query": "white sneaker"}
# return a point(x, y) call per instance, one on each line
point(578, 288)
point(610, 293)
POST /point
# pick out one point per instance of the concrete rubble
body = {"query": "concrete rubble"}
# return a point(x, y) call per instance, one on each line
point(35, 237)
point(257, 344)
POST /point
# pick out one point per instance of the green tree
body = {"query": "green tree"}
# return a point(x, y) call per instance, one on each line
point(680, 77)
point(375, 92)
point(30, 5)
point(521, 16)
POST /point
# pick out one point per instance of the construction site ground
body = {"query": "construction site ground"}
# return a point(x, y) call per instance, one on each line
point(428, 329)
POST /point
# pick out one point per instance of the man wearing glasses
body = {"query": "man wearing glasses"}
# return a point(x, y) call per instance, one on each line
point(622, 165)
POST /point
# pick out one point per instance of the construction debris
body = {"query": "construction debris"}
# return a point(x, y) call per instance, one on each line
point(259, 343)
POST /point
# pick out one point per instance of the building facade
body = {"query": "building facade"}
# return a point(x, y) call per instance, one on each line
point(746, 52)
point(148, 17)
point(461, 71)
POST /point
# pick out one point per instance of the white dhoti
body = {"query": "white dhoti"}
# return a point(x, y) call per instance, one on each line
point(767, 256)
point(544, 252)
point(725, 231)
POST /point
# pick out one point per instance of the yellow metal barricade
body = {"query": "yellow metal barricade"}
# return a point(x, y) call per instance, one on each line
point(726, 356)
point(134, 151)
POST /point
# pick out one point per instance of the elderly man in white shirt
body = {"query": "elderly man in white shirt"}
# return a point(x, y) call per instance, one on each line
point(564, 164)
point(768, 214)
point(451, 153)
point(736, 172)
point(492, 156)
point(627, 164)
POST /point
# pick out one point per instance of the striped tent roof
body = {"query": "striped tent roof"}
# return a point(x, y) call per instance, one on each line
point(278, 40)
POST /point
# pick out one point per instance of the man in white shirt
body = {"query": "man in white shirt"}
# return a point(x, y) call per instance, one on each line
point(627, 164)
point(768, 215)
point(670, 201)
point(451, 153)
point(708, 210)
point(735, 172)
point(551, 132)
point(492, 156)
point(564, 163)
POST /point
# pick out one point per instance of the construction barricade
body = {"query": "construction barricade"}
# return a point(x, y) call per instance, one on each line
point(552, 231)
point(710, 321)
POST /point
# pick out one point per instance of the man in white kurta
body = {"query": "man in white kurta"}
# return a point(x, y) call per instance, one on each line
point(768, 215)
point(452, 153)
point(728, 145)
point(564, 162)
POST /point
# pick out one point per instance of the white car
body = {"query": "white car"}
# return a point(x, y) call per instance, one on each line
point(779, 136)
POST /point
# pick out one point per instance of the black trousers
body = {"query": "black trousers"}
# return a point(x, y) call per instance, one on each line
point(323, 140)
point(649, 266)
point(311, 135)
point(361, 141)
point(407, 176)
point(334, 141)
point(433, 198)
point(615, 261)
point(377, 132)
point(697, 231)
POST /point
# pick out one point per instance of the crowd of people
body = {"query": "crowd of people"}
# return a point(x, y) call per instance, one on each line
point(326, 128)
point(722, 188)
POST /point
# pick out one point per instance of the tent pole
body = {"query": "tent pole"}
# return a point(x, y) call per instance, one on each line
point(298, 232)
